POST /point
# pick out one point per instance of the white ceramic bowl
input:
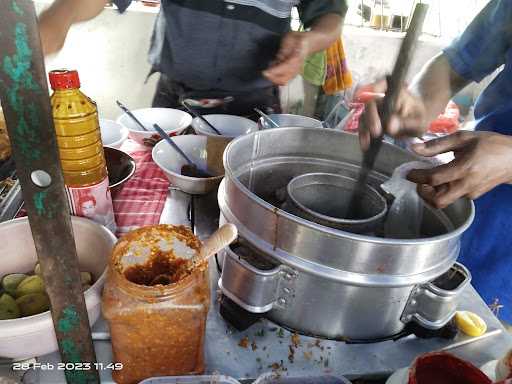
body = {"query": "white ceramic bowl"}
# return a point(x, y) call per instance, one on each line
point(205, 151)
point(288, 120)
point(230, 126)
point(112, 134)
point(172, 121)
point(34, 335)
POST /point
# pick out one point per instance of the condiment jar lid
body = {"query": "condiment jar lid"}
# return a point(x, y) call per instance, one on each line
point(64, 79)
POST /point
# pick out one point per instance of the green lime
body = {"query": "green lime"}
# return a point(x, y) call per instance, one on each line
point(8, 307)
point(11, 282)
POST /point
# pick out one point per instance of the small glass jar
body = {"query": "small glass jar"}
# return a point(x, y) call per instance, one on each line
point(155, 330)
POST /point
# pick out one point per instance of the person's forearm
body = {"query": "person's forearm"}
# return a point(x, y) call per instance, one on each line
point(54, 22)
point(436, 84)
point(324, 32)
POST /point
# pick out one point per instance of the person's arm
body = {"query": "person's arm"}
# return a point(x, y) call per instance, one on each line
point(323, 32)
point(324, 20)
point(435, 85)
point(54, 22)
point(418, 105)
point(479, 51)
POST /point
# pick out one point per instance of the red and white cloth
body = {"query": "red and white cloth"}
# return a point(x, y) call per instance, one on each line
point(140, 201)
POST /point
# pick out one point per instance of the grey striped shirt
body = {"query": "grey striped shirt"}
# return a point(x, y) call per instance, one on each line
point(225, 44)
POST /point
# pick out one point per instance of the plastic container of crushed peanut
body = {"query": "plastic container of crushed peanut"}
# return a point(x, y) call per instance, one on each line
point(191, 380)
point(275, 378)
point(156, 309)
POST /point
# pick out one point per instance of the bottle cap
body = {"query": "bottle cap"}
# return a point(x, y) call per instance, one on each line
point(64, 79)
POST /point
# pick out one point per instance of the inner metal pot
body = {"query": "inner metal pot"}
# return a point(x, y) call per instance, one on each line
point(324, 198)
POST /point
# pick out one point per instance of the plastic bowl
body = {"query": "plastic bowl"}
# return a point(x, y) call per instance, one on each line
point(172, 121)
point(113, 134)
point(34, 335)
point(228, 125)
point(205, 151)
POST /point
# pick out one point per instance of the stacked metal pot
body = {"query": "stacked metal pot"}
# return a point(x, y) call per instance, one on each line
point(325, 281)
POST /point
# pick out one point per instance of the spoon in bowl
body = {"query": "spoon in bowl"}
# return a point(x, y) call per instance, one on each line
point(130, 115)
point(266, 117)
point(200, 117)
point(190, 169)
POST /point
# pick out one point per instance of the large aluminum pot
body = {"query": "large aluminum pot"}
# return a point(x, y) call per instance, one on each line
point(329, 282)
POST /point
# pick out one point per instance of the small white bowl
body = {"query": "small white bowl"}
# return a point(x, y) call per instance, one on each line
point(205, 151)
point(172, 121)
point(112, 134)
point(34, 335)
point(228, 125)
point(289, 120)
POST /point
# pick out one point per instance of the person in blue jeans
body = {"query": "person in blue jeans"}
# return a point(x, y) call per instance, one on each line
point(482, 167)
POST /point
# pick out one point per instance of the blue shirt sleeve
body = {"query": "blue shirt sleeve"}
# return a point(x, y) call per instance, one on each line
point(482, 47)
point(122, 5)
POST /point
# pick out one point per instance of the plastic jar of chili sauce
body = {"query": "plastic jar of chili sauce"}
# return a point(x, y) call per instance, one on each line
point(156, 307)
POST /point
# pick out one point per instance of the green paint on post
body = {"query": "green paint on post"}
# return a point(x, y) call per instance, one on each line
point(16, 8)
point(70, 350)
point(39, 203)
point(18, 67)
point(70, 320)
point(71, 354)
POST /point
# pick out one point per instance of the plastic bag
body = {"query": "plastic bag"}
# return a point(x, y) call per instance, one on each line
point(406, 212)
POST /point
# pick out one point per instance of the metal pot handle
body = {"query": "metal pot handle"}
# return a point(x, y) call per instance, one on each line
point(253, 289)
point(433, 304)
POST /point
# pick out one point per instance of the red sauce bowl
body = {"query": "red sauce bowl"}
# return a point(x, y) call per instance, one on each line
point(444, 368)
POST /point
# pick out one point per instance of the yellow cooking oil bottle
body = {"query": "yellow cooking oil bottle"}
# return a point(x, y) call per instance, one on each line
point(81, 151)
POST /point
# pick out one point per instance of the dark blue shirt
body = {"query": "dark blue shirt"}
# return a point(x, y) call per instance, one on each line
point(225, 44)
point(484, 47)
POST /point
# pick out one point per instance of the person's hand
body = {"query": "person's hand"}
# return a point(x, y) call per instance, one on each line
point(407, 119)
point(482, 161)
point(290, 58)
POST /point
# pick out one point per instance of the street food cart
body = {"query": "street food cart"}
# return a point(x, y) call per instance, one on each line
point(307, 300)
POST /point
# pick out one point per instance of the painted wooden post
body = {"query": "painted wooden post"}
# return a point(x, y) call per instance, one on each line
point(26, 105)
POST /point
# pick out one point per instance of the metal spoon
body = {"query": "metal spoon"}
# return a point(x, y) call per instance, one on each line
point(266, 117)
point(200, 117)
point(130, 114)
point(191, 169)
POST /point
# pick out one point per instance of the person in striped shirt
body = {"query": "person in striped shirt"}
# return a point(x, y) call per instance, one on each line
point(229, 55)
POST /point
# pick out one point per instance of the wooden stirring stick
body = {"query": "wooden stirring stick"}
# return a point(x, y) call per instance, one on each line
point(220, 239)
point(395, 83)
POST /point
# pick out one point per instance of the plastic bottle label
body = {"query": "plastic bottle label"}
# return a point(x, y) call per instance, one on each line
point(93, 202)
